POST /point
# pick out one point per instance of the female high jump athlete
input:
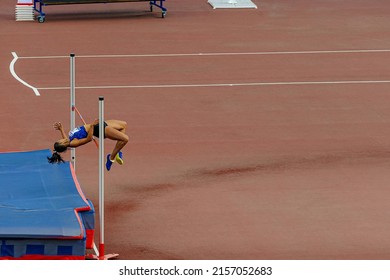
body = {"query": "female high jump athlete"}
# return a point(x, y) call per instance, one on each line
point(113, 129)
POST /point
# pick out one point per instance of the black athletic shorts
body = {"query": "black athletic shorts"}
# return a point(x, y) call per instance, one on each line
point(96, 130)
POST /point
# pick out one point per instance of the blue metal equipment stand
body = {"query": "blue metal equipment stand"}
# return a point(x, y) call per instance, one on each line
point(39, 4)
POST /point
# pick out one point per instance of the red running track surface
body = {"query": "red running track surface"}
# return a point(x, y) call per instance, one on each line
point(294, 166)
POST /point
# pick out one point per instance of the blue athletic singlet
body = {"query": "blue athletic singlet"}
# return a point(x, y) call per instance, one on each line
point(78, 133)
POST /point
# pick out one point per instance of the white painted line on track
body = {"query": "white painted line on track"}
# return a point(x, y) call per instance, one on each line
point(213, 54)
point(43, 57)
point(36, 90)
point(223, 85)
point(12, 70)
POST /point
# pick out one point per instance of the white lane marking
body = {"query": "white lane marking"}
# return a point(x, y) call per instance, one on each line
point(212, 54)
point(12, 70)
point(208, 54)
point(222, 85)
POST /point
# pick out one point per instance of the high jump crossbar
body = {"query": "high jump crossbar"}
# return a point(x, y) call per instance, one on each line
point(73, 109)
point(81, 117)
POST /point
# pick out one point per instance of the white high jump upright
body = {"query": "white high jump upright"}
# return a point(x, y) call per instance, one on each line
point(101, 176)
point(99, 254)
point(102, 256)
point(72, 104)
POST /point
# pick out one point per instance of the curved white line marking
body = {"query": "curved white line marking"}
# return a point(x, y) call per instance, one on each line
point(12, 70)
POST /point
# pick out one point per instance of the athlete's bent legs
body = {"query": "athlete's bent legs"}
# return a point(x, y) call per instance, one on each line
point(115, 130)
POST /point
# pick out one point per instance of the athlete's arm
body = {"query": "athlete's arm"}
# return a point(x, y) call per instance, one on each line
point(58, 126)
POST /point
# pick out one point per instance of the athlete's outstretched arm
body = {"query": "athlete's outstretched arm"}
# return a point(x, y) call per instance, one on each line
point(58, 126)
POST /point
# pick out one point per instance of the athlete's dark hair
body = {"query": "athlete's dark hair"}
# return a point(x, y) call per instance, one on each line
point(56, 157)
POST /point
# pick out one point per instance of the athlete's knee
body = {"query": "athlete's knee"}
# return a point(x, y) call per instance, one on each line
point(126, 139)
point(124, 124)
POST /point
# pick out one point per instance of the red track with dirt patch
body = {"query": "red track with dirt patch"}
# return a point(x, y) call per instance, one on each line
point(254, 134)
